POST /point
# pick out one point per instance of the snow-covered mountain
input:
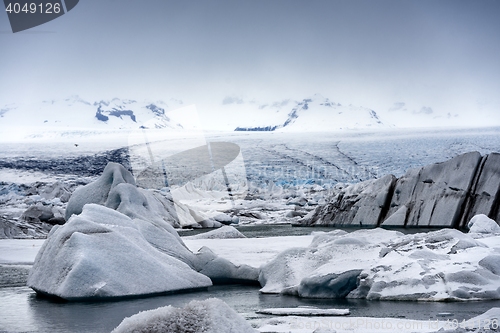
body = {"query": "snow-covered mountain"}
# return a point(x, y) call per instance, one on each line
point(77, 113)
point(313, 114)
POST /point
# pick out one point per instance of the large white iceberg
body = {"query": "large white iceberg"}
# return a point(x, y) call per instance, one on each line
point(208, 316)
point(102, 253)
point(379, 264)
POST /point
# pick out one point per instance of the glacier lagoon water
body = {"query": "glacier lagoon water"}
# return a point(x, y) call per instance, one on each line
point(284, 158)
point(22, 311)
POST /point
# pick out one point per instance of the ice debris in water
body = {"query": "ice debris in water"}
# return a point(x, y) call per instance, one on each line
point(208, 316)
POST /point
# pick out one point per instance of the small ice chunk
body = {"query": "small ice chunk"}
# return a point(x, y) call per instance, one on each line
point(220, 233)
point(304, 311)
point(208, 316)
point(482, 224)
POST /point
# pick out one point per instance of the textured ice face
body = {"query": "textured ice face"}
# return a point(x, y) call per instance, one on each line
point(97, 192)
point(445, 194)
point(116, 189)
point(385, 265)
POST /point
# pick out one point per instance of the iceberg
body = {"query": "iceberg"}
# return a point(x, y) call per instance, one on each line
point(102, 253)
point(446, 194)
point(378, 264)
point(208, 316)
point(224, 232)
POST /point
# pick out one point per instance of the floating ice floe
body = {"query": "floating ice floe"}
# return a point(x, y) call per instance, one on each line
point(304, 311)
point(379, 264)
point(208, 316)
point(484, 323)
point(224, 232)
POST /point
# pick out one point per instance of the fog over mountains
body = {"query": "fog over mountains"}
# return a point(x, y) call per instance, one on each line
point(315, 113)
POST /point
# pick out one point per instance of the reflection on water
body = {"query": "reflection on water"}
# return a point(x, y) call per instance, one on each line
point(22, 311)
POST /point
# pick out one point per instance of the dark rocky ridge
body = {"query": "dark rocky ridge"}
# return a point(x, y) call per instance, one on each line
point(446, 194)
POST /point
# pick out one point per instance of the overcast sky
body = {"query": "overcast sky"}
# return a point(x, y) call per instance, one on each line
point(414, 55)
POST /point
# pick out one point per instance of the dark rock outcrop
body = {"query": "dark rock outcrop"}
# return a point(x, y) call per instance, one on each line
point(446, 194)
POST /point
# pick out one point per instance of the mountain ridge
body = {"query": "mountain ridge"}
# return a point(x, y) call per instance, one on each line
point(318, 113)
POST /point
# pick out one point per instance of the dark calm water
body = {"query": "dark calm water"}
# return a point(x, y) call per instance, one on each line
point(22, 311)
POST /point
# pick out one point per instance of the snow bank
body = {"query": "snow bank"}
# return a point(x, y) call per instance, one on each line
point(378, 264)
point(208, 316)
point(224, 232)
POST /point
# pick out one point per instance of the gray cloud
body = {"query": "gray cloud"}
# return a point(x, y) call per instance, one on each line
point(364, 52)
point(398, 106)
point(281, 103)
point(424, 110)
point(232, 100)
